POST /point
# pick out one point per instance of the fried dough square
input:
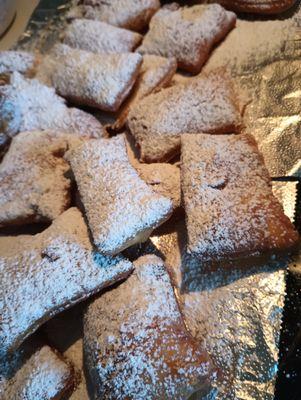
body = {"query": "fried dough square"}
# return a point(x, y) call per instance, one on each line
point(188, 34)
point(204, 104)
point(156, 72)
point(26, 105)
point(35, 371)
point(136, 344)
point(121, 208)
point(18, 61)
point(99, 37)
point(48, 273)
point(98, 80)
point(33, 182)
point(231, 212)
point(129, 14)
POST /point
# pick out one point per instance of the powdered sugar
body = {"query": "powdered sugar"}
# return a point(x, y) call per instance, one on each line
point(50, 272)
point(155, 73)
point(121, 208)
point(100, 37)
point(99, 80)
point(230, 209)
point(204, 104)
point(130, 14)
point(136, 343)
point(163, 178)
point(17, 61)
point(42, 376)
point(34, 168)
point(26, 104)
point(188, 33)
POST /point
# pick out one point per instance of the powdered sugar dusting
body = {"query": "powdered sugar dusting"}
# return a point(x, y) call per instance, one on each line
point(163, 178)
point(100, 37)
point(136, 343)
point(204, 104)
point(98, 80)
point(34, 166)
point(121, 208)
point(130, 14)
point(187, 33)
point(230, 209)
point(156, 72)
point(43, 376)
point(17, 61)
point(50, 272)
point(26, 104)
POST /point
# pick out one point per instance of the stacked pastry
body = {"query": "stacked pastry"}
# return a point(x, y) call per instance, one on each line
point(90, 191)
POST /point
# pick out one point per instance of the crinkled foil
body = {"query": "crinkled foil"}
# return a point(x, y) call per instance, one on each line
point(237, 315)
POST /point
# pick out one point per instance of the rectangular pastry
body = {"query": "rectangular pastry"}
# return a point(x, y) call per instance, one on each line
point(121, 208)
point(33, 182)
point(98, 80)
point(206, 104)
point(136, 344)
point(99, 37)
point(45, 274)
point(155, 73)
point(129, 14)
point(231, 212)
point(35, 372)
point(188, 34)
point(28, 105)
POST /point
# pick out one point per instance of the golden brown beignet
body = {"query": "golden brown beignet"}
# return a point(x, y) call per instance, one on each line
point(98, 80)
point(187, 33)
point(18, 61)
point(33, 182)
point(206, 103)
point(100, 37)
point(47, 273)
point(121, 208)
point(129, 14)
point(258, 7)
point(231, 212)
point(155, 73)
point(35, 372)
point(26, 105)
point(136, 345)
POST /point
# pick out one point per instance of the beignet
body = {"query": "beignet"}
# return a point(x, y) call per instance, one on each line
point(100, 37)
point(136, 345)
point(48, 273)
point(155, 72)
point(129, 14)
point(231, 212)
point(98, 80)
point(27, 105)
point(187, 33)
point(33, 182)
point(121, 208)
point(204, 104)
point(35, 372)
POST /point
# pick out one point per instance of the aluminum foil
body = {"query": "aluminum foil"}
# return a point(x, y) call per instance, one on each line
point(237, 315)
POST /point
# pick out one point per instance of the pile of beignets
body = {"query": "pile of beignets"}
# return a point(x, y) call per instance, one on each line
point(101, 146)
